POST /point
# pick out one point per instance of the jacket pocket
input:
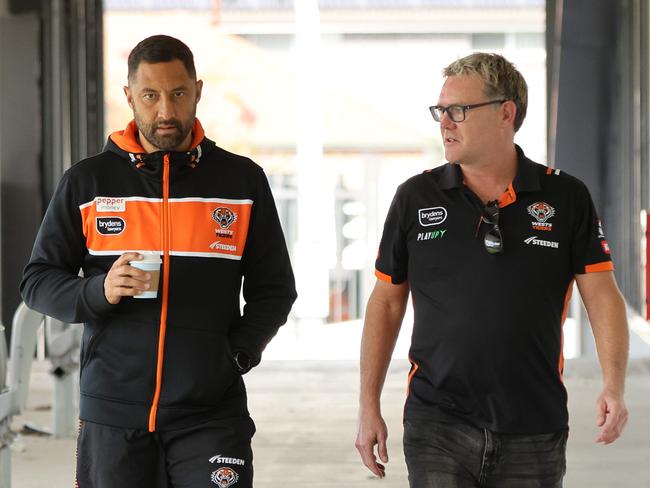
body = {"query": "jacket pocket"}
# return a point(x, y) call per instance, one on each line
point(198, 368)
point(91, 337)
point(119, 360)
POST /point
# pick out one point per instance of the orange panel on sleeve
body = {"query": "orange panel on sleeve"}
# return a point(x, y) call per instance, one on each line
point(383, 277)
point(599, 267)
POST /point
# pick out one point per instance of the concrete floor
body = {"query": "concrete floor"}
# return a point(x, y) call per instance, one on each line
point(305, 413)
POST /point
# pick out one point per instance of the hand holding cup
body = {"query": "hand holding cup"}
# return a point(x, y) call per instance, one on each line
point(150, 264)
point(133, 274)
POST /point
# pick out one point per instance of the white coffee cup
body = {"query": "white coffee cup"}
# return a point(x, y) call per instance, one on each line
point(150, 263)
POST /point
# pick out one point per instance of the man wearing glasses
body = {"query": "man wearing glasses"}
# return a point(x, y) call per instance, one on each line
point(489, 245)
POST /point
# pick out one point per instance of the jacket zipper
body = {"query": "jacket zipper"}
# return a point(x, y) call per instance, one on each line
point(165, 237)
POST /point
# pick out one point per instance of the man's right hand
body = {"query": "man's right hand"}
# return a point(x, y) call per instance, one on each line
point(372, 431)
point(123, 280)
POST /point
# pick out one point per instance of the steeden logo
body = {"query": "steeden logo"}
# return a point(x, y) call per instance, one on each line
point(541, 242)
point(219, 459)
point(432, 216)
point(223, 247)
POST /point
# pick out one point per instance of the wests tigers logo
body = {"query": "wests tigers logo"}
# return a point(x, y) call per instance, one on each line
point(224, 217)
point(541, 211)
point(224, 477)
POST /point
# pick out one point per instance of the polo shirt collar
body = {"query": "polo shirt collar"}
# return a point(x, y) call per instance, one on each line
point(526, 179)
point(451, 177)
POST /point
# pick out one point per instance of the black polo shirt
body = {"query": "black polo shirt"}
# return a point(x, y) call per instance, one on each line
point(487, 334)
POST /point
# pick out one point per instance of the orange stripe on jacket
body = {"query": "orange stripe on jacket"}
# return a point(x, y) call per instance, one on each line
point(153, 412)
point(137, 227)
point(196, 227)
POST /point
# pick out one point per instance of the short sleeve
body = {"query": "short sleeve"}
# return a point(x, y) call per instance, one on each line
point(589, 252)
point(392, 260)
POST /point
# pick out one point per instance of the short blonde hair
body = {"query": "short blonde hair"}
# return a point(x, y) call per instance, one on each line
point(501, 78)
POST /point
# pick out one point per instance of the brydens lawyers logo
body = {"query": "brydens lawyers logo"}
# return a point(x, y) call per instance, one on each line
point(224, 217)
point(432, 216)
point(541, 211)
point(224, 477)
point(110, 204)
point(110, 226)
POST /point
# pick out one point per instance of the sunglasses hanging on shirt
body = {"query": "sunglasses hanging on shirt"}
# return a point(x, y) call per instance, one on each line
point(493, 240)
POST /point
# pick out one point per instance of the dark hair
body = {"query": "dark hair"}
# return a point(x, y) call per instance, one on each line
point(160, 49)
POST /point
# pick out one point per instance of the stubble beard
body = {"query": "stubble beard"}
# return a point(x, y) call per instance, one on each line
point(167, 142)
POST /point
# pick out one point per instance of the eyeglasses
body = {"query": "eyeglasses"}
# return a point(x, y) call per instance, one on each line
point(457, 113)
point(493, 240)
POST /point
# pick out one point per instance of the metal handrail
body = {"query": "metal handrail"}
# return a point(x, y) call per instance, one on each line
point(26, 323)
point(13, 394)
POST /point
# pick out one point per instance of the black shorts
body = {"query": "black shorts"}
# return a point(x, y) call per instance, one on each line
point(213, 454)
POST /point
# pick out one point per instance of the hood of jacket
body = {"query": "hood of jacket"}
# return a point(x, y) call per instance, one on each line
point(125, 144)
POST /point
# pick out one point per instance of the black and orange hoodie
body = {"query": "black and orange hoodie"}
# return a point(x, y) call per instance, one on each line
point(164, 363)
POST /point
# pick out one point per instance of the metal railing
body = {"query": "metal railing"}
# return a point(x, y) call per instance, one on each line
point(62, 342)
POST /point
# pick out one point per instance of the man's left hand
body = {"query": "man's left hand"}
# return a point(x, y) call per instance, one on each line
point(611, 416)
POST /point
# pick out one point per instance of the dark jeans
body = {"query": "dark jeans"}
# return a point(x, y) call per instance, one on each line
point(442, 455)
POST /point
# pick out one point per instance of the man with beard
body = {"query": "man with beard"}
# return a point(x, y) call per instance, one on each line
point(162, 398)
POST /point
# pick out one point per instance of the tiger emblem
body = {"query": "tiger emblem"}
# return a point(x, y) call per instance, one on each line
point(541, 211)
point(224, 477)
point(224, 217)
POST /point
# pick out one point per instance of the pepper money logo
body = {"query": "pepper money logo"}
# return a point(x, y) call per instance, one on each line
point(110, 204)
point(541, 211)
point(224, 477)
point(224, 217)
